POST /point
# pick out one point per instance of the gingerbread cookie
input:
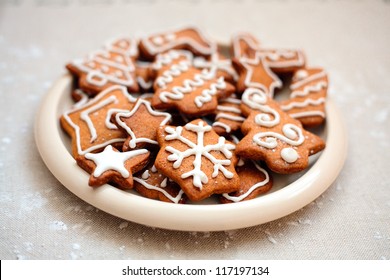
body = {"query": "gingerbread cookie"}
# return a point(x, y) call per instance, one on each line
point(189, 38)
point(219, 63)
point(143, 75)
point(228, 115)
point(254, 179)
point(141, 124)
point(273, 136)
point(113, 65)
point(308, 95)
point(181, 86)
point(283, 60)
point(256, 73)
point(244, 45)
point(197, 159)
point(152, 184)
point(90, 125)
point(112, 166)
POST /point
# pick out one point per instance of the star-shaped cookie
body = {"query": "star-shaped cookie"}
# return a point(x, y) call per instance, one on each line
point(112, 166)
point(256, 73)
point(141, 124)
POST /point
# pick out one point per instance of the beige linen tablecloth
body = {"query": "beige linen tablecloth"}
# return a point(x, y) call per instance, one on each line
point(41, 219)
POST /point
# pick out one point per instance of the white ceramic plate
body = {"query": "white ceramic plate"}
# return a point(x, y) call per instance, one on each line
point(289, 193)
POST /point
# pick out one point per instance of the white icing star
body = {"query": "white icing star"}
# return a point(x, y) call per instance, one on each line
point(112, 160)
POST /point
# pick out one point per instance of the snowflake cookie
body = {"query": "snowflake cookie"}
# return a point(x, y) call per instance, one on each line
point(196, 158)
point(273, 136)
point(179, 85)
point(113, 65)
point(112, 166)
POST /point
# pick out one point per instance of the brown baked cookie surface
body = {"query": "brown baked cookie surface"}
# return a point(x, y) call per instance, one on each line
point(113, 65)
point(254, 180)
point(113, 166)
point(197, 159)
point(189, 38)
point(152, 184)
point(181, 86)
point(90, 125)
point(308, 96)
point(273, 136)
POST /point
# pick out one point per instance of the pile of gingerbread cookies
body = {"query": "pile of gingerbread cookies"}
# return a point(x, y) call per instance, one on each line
point(176, 119)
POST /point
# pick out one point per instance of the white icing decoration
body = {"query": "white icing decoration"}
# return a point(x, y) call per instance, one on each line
point(156, 188)
point(154, 49)
point(145, 175)
point(307, 80)
point(188, 85)
point(96, 100)
point(170, 37)
point(257, 99)
point(305, 103)
point(289, 155)
point(100, 77)
point(134, 139)
point(309, 89)
point(308, 114)
point(215, 63)
point(246, 62)
point(166, 59)
point(277, 57)
point(290, 133)
point(153, 169)
point(300, 75)
point(238, 53)
point(226, 127)
point(85, 114)
point(199, 150)
point(163, 183)
point(84, 98)
point(111, 160)
point(252, 188)
point(158, 40)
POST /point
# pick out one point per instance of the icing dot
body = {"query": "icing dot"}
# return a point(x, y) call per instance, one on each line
point(153, 169)
point(170, 37)
point(158, 40)
point(123, 44)
point(301, 74)
point(118, 74)
point(289, 155)
point(119, 59)
point(164, 183)
point(145, 175)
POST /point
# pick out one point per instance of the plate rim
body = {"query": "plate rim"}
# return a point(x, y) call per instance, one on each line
point(187, 217)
